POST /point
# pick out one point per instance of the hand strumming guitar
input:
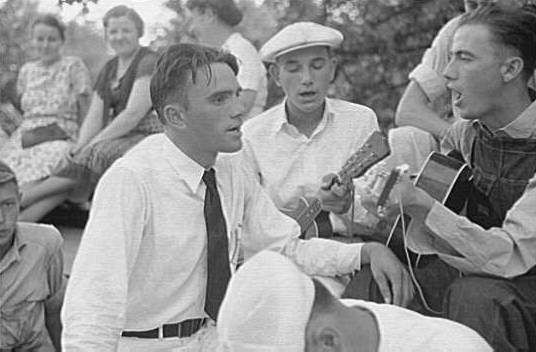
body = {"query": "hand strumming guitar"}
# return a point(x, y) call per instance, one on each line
point(335, 197)
point(415, 201)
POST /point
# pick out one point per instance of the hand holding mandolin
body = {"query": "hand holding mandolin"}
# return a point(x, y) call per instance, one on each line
point(335, 196)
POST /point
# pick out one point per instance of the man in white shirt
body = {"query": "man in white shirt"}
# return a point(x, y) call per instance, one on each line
point(169, 219)
point(272, 306)
point(293, 146)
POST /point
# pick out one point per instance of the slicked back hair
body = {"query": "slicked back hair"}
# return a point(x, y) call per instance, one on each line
point(179, 63)
point(511, 26)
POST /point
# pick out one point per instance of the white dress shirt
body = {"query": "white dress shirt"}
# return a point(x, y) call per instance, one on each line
point(251, 73)
point(291, 165)
point(404, 330)
point(142, 259)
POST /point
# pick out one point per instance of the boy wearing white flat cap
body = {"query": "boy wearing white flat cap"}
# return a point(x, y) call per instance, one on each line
point(270, 305)
point(296, 147)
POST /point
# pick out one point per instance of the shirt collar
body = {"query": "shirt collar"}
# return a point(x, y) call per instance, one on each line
point(524, 126)
point(282, 124)
point(187, 169)
point(13, 254)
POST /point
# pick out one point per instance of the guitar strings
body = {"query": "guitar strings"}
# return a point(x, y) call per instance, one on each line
point(410, 267)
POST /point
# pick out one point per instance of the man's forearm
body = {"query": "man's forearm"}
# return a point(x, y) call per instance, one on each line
point(324, 257)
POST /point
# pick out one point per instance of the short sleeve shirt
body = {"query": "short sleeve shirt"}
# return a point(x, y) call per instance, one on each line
point(30, 273)
point(251, 73)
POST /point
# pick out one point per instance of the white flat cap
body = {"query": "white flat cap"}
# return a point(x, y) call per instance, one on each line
point(266, 307)
point(298, 36)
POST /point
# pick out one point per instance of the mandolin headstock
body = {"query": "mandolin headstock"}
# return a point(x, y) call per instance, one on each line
point(375, 149)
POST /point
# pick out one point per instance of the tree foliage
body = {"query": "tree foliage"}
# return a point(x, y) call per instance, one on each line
point(81, 37)
point(384, 39)
point(15, 18)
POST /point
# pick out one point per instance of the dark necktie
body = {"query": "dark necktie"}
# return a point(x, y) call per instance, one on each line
point(217, 247)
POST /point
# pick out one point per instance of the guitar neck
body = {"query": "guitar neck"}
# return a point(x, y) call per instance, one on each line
point(375, 148)
point(344, 177)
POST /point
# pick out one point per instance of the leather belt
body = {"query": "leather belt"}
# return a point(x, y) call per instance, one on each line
point(185, 328)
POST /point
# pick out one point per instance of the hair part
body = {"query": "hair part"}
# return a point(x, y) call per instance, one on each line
point(511, 26)
point(226, 10)
point(177, 65)
point(51, 21)
point(124, 11)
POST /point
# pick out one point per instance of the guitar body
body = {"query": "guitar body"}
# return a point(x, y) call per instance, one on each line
point(447, 180)
point(320, 226)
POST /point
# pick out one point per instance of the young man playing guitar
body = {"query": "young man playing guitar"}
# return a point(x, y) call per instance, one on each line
point(297, 146)
point(493, 54)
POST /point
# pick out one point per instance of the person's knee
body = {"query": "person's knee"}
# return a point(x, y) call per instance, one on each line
point(475, 295)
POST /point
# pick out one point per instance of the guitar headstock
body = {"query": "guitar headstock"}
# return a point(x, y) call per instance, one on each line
point(375, 148)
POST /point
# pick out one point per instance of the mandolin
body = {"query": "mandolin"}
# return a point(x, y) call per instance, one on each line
point(309, 215)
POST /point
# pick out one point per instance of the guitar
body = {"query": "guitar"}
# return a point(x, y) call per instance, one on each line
point(447, 180)
point(313, 222)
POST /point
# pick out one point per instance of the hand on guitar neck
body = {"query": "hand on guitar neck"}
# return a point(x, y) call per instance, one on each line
point(332, 197)
point(335, 197)
point(335, 193)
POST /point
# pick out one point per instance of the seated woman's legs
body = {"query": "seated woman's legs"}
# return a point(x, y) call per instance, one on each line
point(42, 207)
point(50, 186)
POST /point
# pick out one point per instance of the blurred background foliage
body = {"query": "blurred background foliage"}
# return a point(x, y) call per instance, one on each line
point(384, 39)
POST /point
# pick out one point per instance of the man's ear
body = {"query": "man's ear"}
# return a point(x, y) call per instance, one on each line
point(512, 68)
point(174, 115)
point(334, 62)
point(329, 340)
point(274, 73)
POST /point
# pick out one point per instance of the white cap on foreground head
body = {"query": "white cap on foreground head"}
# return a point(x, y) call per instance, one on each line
point(298, 36)
point(266, 307)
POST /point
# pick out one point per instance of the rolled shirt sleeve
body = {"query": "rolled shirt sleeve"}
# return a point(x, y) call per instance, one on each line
point(268, 228)
point(55, 269)
point(429, 73)
point(506, 251)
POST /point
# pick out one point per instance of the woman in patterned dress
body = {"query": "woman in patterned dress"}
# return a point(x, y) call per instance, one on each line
point(120, 115)
point(54, 92)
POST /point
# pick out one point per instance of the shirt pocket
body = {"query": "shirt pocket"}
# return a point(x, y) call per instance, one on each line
point(21, 321)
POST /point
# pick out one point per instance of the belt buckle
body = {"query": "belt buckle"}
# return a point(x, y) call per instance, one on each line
point(179, 330)
point(161, 332)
